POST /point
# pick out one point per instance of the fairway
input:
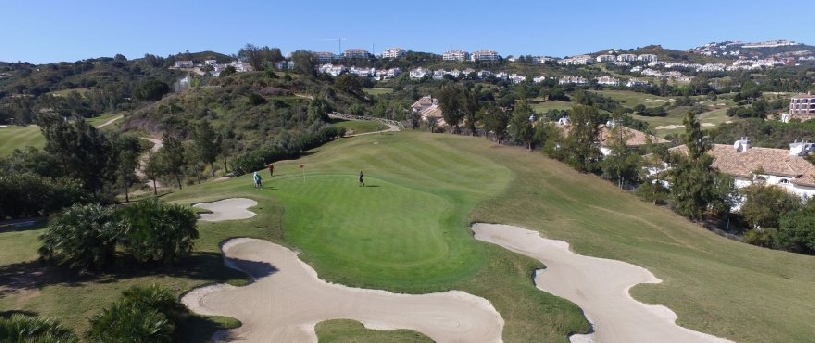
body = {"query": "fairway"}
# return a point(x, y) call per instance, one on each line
point(19, 137)
point(408, 231)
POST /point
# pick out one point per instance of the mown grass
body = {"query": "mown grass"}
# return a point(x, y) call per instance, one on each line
point(346, 330)
point(19, 137)
point(631, 98)
point(409, 232)
point(546, 106)
point(357, 126)
point(715, 285)
point(377, 91)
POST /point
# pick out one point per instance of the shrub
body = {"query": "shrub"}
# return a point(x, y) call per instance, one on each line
point(19, 328)
point(82, 237)
point(158, 232)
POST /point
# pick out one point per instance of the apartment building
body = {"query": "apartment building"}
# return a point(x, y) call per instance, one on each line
point(356, 53)
point(324, 56)
point(455, 55)
point(802, 104)
point(393, 53)
point(484, 55)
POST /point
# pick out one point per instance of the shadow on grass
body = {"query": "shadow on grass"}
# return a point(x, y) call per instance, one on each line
point(197, 329)
point(205, 266)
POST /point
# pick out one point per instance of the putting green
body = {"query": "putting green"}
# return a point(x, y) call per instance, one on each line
point(396, 232)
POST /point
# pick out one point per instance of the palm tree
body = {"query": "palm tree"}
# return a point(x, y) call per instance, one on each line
point(19, 328)
point(126, 322)
point(157, 231)
point(82, 237)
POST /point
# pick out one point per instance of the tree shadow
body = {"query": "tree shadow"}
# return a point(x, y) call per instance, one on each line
point(255, 269)
point(32, 275)
point(205, 266)
point(26, 224)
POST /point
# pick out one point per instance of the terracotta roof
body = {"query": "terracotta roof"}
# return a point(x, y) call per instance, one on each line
point(635, 137)
point(776, 162)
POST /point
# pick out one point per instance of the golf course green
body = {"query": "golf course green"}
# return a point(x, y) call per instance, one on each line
point(408, 231)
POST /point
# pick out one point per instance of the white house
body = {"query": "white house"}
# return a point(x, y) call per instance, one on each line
point(393, 53)
point(783, 168)
point(606, 80)
point(419, 73)
point(578, 80)
point(183, 64)
point(635, 82)
point(647, 58)
point(627, 58)
point(484, 55)
point(455, 55)
point(606, 58)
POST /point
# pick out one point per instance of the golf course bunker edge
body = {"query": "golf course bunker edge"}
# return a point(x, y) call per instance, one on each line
point(598, 286)
point(287, 299)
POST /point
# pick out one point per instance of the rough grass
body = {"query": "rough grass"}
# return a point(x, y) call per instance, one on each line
point(429, 187)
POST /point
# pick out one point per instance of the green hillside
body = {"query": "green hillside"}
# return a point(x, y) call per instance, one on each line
point(408, 232)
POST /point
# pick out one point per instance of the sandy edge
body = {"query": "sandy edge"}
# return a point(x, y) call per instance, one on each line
point(589, 282)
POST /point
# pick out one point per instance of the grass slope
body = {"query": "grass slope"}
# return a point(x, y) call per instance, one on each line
point(408, 232)
point(19, 137)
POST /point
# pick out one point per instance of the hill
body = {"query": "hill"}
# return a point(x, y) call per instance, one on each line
point(774, 49)
point(666, 55)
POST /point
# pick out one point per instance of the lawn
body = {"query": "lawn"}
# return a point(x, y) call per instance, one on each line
point(18, 137)
point(407, 231)
point(357, 126)
point(546, 106)
point(377, 91)
point(631, 98)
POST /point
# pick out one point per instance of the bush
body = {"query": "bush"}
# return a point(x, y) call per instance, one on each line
point(19, 328)
point(143, 314)
point(760, 237)
point(158, 232)
point(124, 322)
point(82, 237)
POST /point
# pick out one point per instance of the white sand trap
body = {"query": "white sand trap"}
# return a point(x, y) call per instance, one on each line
point(287, 299)
point(229, 209)
point(599, 286)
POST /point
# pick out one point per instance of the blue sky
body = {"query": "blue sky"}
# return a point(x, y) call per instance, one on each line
point(56, 30)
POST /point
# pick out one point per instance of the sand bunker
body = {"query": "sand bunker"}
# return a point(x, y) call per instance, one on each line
point(599, 286)
point(229, 209)
point(287, 299)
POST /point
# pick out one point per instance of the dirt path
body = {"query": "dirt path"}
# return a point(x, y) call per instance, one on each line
point(157, 145)
point(111, 120)
point(287, 299)
point(599, 286)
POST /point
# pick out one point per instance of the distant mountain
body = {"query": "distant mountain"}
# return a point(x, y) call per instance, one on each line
point(779, 49)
